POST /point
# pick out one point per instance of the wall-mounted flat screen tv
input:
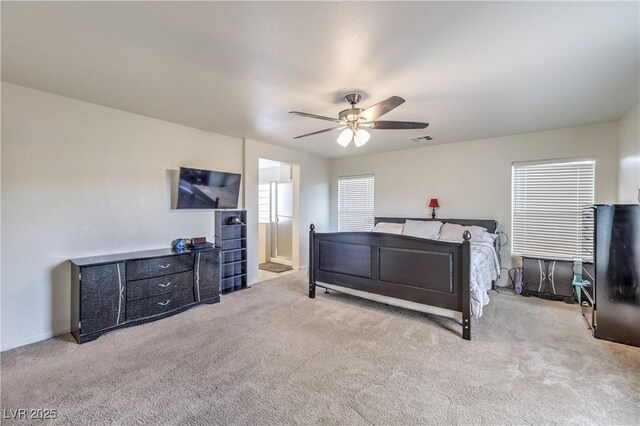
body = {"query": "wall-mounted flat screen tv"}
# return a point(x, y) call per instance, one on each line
point(207, 189)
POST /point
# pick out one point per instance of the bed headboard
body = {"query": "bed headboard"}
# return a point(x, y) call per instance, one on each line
point(489, 224)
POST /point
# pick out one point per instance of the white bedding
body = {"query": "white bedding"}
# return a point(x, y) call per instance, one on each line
point(484, 269)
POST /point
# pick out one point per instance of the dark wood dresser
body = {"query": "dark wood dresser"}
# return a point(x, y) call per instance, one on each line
point(122, 290)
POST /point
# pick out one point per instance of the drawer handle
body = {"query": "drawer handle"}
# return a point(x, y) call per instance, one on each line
point(165, 266)
point(165, 285)
point(164, 303)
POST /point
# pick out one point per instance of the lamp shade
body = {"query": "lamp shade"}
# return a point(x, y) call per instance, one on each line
point(345, 137)
point(361, 137)
point(433, 203)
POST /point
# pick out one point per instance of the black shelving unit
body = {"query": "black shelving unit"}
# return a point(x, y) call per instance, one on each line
point(616, 305)
point(231, 239)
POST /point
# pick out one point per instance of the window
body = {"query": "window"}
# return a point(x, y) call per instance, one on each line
point(264, 203)
point(355, 203)
point(550, 215)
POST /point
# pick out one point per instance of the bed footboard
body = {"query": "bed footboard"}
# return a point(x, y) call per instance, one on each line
point(312, 279)
point(427, 272)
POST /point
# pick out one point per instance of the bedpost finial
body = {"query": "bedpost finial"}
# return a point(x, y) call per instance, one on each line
point(466, 235)
point(312, 227)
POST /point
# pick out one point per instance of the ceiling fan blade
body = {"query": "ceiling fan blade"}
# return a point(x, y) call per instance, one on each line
point(381, 108)
point(321, 131)
point(382, 125)
point(318, 117)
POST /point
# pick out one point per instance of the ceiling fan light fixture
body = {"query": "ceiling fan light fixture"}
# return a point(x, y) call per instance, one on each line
point(344, 139)
point(361, 137)
point(352, 121)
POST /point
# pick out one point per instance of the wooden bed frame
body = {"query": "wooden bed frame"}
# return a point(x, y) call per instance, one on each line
point(424, 275)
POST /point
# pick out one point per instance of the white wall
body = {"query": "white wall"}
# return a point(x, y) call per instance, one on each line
point(473, 179)
point(269, 174)
point(264, 242)
point(78, 180)
point(311, 197)
point(281, 173)
point(629, 154)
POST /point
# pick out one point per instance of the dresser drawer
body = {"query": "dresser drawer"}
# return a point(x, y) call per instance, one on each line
point(159, 304)
point(159, 266)
point(142, 289)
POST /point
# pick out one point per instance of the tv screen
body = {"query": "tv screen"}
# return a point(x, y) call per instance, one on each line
point(206, 189)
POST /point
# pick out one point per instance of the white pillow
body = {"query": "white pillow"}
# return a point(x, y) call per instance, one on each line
point(490, 238)
point(422, 229)
point(453, 232)
point(477, 233)
point(389, 228)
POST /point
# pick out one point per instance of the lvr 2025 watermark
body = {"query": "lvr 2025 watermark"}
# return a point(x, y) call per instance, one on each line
point(29, 413)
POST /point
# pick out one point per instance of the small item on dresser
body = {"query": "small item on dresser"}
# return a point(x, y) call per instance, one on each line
point(202, 246)
point(198, 240)
point(198, 243)
point(234, 220)
point(179, 245)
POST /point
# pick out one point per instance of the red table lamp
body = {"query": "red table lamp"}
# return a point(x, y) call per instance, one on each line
point(433, 203)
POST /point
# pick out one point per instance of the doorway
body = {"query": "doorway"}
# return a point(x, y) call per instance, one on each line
point(282, 241)
point(276, 218)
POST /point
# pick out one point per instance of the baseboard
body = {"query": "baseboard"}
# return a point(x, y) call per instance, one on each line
point(32, 339)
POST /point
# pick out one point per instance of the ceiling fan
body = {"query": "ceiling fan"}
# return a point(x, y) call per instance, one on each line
point(353, 121)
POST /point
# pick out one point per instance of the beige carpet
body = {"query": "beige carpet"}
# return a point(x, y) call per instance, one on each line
point(270, 355)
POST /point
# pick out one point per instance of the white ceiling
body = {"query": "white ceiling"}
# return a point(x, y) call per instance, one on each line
point(473, 70)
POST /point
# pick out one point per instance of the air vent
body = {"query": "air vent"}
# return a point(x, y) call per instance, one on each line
point(422, 139)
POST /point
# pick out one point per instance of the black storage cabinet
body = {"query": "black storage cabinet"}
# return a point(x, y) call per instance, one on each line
point(231, 239)
point(617, 272)
point(548, 278)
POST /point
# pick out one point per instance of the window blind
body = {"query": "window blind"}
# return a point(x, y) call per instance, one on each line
point(550, 215)
point(355, 203)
